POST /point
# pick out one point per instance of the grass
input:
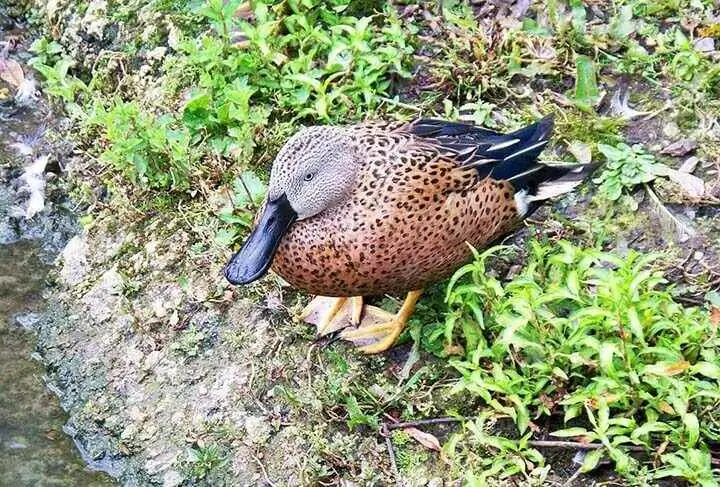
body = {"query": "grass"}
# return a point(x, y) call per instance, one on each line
point(584, 344)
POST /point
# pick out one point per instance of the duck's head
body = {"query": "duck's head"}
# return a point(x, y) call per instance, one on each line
point(314, 171)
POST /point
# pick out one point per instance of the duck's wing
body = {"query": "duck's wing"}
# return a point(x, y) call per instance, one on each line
point(500, 156)
point(503, 157)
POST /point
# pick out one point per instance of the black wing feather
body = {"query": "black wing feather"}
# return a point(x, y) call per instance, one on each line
point(511, 157)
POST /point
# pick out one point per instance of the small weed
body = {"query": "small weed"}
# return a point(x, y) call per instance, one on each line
point(626, 167)
point(152, 151)
point(190, 342)
point(597, 339)
point(203, 460)
point(408, 453)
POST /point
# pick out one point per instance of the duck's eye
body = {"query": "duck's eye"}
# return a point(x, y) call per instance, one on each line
point(308, 176)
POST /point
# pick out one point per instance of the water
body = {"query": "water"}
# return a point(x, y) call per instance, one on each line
point(34, 451)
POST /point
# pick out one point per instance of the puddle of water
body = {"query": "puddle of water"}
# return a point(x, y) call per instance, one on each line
point(34, 451)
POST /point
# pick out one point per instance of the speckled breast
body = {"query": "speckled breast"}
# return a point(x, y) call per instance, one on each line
point(360, 251)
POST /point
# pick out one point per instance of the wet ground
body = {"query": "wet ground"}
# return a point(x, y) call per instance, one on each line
point(34, 451)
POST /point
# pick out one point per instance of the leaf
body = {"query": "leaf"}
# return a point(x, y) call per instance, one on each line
point(715, 316)
point(611, 153)
point(11, 72)
point(693, 185)
point(248, 189)
point(586, 88)
point(580, 151)
point(592, 459)
point(522, 416)
point(692, 427)
point(652, 427)
point(634, 323)
point(707, 369)
point(425, 439)
point(667, 369)
point(680, 148)
point(569, 432)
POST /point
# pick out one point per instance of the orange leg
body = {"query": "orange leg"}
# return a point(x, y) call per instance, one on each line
point(379, 330)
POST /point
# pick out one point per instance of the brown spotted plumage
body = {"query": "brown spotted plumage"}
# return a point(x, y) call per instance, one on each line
point(390, 208)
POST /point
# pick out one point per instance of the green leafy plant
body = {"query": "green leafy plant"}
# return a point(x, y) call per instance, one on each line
point(203, 460)
point(190, 342)
point(595, 338)
point(58, 81)
point(248, 193)
point(154, 152)
point(303, 61)
point(625, 167)
point(586, 93)
point(686, 62)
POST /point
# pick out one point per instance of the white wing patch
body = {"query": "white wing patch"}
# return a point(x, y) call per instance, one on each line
point(521, 202)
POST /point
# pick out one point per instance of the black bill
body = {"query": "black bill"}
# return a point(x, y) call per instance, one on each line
point(254, 258)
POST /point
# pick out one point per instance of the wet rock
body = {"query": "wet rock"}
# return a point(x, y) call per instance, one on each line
point(74, 261)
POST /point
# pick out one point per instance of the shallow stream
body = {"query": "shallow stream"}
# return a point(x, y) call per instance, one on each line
point(34, 450)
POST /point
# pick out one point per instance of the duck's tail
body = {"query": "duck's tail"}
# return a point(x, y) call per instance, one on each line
point(508, 157)
point(546, 182)
point(533, 180)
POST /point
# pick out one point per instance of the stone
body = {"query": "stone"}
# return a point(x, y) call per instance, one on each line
point(172, 478)
point(257, 429)
point(74, 261)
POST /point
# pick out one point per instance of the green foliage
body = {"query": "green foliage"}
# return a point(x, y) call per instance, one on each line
point(625, 167)
point(482, 456)
point(295, 60)
point(248, 193)
point(154, 152)
point(586, 93)
point(58, 82)
point(189, 342)
point(303, 59)
point(595, 337)
point(203, 460)
point(46, 51)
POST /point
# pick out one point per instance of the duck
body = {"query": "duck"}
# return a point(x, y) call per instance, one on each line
point(391, 207)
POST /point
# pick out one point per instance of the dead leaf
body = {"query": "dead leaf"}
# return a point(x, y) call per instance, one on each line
point(454, 349)
point(689, 165)
point(715, 317)
point(693, 185)
point(580, 151)
point(666, 408)
point(11, 72)
point(425, 439)
point(244, 11)
point(680, 148)
point(666, 369)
